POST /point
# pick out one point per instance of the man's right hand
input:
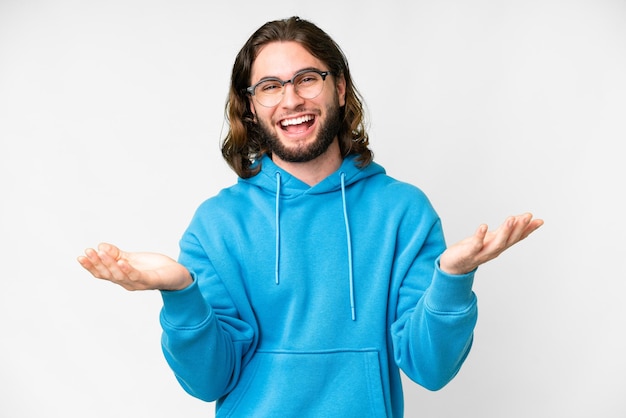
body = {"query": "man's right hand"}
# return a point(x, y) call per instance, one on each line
point(135, 271)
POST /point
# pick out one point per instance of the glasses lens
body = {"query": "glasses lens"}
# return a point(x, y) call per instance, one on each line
point(269, 92)
point(308, 85)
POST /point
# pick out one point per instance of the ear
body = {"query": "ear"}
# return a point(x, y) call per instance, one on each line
point(252, 109)
point(340, 85)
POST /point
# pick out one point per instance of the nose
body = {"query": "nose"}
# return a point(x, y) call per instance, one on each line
point(290, 97)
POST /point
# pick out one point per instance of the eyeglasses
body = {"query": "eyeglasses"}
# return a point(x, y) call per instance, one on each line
point(307, 84)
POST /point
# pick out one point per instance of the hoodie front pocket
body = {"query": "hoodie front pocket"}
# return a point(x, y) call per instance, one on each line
point(310, 384)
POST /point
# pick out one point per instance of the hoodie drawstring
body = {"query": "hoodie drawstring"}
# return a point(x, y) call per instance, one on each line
point(345, 219)
point(348, 238)
point(276, 269)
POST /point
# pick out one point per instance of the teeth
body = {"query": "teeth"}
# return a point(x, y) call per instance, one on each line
point(296, 121)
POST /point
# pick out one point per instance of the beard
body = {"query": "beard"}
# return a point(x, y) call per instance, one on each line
point(327, 133)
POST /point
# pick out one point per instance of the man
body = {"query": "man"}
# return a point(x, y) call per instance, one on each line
point(304, 289)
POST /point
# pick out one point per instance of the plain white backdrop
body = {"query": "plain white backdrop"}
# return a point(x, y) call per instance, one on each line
point(111, 115)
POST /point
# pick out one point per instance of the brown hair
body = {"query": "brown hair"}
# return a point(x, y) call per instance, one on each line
point(243, 145)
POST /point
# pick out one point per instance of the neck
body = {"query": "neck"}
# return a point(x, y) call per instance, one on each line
point(316, 170)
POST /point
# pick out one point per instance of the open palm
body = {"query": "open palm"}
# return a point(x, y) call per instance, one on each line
point(135, 270)
point(468, 254)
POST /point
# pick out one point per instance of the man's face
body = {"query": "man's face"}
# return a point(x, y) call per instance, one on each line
point(297, 129)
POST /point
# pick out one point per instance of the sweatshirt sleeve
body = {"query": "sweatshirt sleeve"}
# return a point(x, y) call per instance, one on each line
point(204, 340)
point(436, 314)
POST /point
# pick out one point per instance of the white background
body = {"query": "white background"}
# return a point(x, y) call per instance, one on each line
point(111, 114)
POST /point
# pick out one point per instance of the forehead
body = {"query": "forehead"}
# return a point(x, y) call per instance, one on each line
point(282, 60)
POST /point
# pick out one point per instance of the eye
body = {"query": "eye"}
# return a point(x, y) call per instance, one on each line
point(308, 78)
point(269, 87)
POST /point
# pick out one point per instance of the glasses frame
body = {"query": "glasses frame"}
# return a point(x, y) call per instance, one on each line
point(251, 90)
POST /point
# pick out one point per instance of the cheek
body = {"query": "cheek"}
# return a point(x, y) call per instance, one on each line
point(263, 116)
point(261, 113)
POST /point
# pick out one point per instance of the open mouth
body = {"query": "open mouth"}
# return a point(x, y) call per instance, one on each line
point(297, 125)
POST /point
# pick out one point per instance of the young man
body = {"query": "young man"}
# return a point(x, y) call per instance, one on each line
point(304, 289)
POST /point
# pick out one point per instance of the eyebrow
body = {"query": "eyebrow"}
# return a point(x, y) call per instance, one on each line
point(269, 77)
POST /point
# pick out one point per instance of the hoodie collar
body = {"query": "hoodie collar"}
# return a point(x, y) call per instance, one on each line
point(291, 186)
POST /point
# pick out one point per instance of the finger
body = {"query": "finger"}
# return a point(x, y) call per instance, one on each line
point(481, 232)
point(480, 239)
point(110, 249)
point(119, 257)
point(85, 263)
point(113, 265)
point(502, 235)
point(95, 265)
point(520, 224)
point(531, 227)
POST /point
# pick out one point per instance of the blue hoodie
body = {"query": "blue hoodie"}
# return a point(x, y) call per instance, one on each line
point(307, 301)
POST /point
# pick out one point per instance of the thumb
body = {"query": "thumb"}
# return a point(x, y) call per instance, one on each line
point(481, 232)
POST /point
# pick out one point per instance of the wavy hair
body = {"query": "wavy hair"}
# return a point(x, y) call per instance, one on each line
point(243, 146)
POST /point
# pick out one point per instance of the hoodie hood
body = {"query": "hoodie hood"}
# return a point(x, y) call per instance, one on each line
point(284, 186)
